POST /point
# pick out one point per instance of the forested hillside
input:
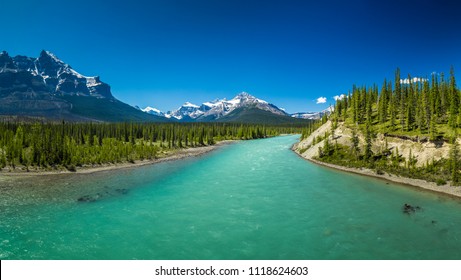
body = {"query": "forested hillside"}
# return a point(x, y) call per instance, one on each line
point(409, 106)
point(53, 146)
point(422, 111)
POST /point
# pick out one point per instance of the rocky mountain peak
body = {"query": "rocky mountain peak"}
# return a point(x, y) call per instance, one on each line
point(57, 76)
point(50, 56)
point(244, 94)
point(219, 108)
point(6, 62)
point(50, 65)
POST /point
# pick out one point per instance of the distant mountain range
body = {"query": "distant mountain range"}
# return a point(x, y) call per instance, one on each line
point(220, 108)
point(216, 109)
point(47, 88)
point(313, 115)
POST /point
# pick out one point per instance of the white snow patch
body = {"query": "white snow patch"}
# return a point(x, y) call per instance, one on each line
point(188, 104)
point(55, 58)
point(151, 109)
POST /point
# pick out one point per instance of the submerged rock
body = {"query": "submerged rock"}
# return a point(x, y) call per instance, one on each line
point(409, 209)
point(121, 191)
point(100, 195)
point(86, 198)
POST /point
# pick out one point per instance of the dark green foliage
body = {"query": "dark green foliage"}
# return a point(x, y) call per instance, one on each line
point(355, 143)
point(417, 109)
point(258, 116)
point(455, 163)
point(368, 141)
point(440, 182)
point(412, 106)
point(69, 145)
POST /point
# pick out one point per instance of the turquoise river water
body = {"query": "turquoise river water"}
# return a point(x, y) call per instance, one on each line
point(248, 200)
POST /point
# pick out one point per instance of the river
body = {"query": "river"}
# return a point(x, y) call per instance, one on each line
point(249, 200)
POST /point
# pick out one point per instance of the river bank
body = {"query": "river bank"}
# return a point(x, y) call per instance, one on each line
point(309, 151)
point(229, 204)
point(168, 156)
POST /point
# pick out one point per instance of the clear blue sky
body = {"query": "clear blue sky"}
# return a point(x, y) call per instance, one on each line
point(165, 52)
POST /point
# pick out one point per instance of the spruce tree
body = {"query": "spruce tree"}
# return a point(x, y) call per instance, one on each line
point(433, 129)
point(425, 102)
point(355, 143)
point(392, 111)
point(454, 101)
point(368, 141)
point(455, 162)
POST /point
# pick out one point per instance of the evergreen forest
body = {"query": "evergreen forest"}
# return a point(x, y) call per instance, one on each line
point(49, 146)
point(419, 109)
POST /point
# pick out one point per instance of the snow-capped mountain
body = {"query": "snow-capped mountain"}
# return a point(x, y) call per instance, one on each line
point(313, 115)
point(187, 110)
point(221, 107)
point(152, 111)
point(58, 77)
point(46, 87)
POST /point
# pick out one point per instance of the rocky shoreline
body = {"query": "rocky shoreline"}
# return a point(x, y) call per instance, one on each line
point(306, 150)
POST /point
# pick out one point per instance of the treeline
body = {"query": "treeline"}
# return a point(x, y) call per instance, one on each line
point(421, 105)
point(421, 109)
point(52, 145)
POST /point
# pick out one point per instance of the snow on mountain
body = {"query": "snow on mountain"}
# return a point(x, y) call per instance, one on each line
point(213, 110)
point(186, 110)
point(152, 111)
point(307, 115)
point(58, 76)
point(220, 107)
point(313, 115)
point(190, 105)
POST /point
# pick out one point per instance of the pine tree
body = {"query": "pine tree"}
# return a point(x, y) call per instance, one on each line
point(435, 97)
point(368, 104)
point(454, 101)
point(410, 106)
point(392, 111)
point(455, 162)
point(382, 103)
point(355, 142)
point(397, 91)
point(368, 141)
point(432, 129)
point(445, 97)
point(426, 111)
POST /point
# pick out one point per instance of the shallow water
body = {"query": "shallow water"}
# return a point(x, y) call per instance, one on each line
point(249, 200)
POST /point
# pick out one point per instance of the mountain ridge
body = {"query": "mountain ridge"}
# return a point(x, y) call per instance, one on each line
point(220, 108)
point(48, 87)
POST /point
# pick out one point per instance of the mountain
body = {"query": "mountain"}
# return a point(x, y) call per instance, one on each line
point(151, 111)
point(218, 109)
point(242, 108)
point(49, 88)
point(312, 115)
point(186, 112)
point(221, 108)
point(255, 115)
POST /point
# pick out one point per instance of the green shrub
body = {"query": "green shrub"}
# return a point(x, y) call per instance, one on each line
point(440, 182)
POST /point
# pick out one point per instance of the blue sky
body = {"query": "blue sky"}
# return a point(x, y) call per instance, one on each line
point(165, 52)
